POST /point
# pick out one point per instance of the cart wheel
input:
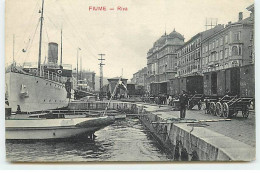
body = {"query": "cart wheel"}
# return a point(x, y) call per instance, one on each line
point(245, 112)
point(199, 105)
point(213, 108)
point(225, 110)
point(219, 109)
point(235, 112)
point(207, 106)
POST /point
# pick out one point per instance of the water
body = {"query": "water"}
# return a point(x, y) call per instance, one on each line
point(125, 140)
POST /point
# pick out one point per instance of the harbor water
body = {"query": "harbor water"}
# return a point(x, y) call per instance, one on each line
point(125, 140)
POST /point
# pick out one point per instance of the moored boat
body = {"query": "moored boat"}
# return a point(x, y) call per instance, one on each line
point(60, 128)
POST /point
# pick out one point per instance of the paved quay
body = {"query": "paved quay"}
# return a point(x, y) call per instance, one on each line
point(238, 128)
point(232, 140)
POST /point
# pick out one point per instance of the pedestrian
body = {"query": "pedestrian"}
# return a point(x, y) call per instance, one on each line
point(170, 100)
point(183, 104)
point(108, 95)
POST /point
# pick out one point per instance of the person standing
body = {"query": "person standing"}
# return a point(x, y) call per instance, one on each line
point(108, 95)
point(183, 104)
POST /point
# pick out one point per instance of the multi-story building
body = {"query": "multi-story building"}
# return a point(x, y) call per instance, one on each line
point(212, 62)
point(224, 54)
point(189, 74)
point(139, 78)
point(162, 62)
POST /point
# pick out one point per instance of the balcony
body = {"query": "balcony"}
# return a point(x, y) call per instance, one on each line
point(235, 42)
point(171, 71)
point(211, 63)
point(236, 57)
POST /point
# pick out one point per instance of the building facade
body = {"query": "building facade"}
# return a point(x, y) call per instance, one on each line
point(162, 62)
point(189, 72)
point(225, 54)
point(140, 78)
point(212, 62)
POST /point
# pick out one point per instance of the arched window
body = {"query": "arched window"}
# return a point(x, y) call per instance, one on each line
point(234, 50)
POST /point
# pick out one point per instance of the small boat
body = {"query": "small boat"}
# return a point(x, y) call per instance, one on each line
point(39, 127)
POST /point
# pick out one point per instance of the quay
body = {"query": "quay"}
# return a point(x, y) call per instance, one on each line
point(212, 139)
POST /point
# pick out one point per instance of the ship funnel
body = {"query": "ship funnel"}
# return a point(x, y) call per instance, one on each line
point(53, 53)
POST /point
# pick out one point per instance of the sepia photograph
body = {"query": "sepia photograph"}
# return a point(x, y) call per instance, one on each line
point(129, 81)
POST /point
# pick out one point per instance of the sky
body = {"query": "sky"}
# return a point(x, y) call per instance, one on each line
point(123, 36)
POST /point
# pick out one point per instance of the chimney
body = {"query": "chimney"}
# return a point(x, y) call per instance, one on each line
point(240, 16)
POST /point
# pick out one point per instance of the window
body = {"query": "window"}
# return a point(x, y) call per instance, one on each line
point(226, 39)
point(234, 50)
point(216, 58)
point(216, 43)
point(237, 36)
point(213, 45)
point(226, 53)
point(221, 41)
point(221, 54)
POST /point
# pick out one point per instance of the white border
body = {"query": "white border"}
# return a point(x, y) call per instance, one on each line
point(153, 166)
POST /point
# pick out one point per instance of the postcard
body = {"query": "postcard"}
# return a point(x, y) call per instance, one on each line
point(129, 81)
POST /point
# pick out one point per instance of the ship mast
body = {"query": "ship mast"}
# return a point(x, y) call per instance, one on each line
point(40, 42)
point(61, 50)
point(13, 47)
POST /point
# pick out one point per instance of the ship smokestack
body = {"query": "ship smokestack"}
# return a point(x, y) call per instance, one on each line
point(53, 53)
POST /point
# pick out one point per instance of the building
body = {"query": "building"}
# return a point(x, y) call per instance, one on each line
point(189, 72)
point(251, 8)
point(212, 62)
point(162, 62)
point(224, 56)
point(112, 84)
point(139, 78)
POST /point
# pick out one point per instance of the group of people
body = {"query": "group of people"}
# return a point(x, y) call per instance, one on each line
point(168, 100)
point(116, 96)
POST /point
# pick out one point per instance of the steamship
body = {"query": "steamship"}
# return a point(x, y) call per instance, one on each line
point(33, 90)
point(41, 87)
point(29, 89)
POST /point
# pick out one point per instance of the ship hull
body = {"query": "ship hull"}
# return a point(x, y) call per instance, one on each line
point(44, 129)
point(33, 93)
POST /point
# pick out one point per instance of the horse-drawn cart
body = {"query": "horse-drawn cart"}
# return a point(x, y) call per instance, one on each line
point(219, 104)
point(210, 102)
point(196, 99)
point(231, 108)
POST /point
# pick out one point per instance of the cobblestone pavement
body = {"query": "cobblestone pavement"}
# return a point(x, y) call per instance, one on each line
point(238, 128)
